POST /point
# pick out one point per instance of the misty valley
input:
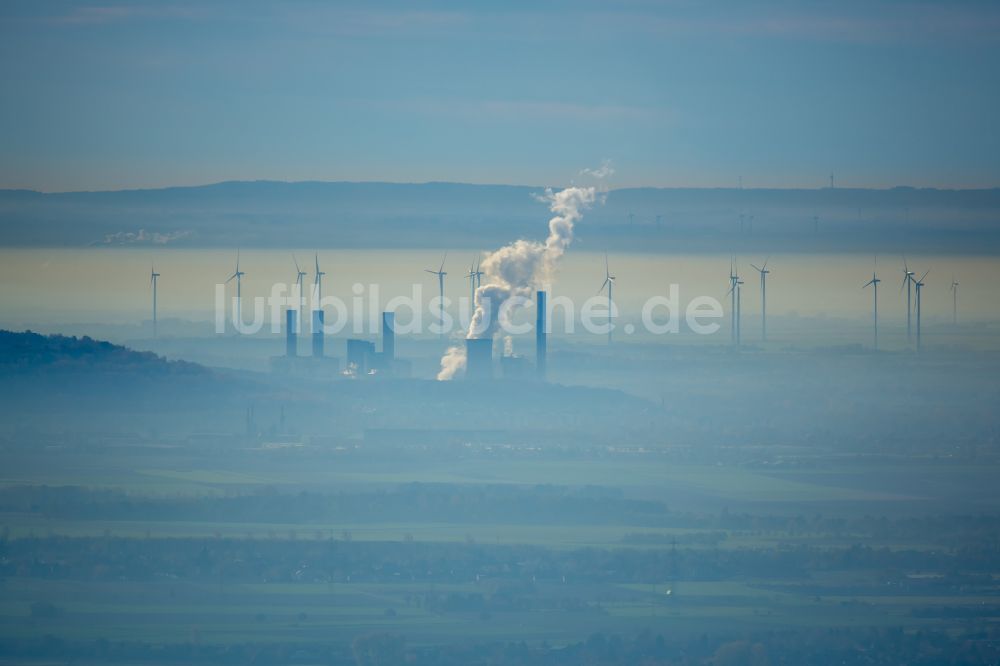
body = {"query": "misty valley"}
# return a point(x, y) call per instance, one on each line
point(730, 506)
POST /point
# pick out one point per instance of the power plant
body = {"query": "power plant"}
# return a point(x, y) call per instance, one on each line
point(362, 359)
point(479, 352)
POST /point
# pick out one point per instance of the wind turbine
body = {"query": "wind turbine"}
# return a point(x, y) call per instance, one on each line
point(954, 301)
point(733, 278)
point(318, 284)
point(609, 282)
point(299, 275)
point(300, 284)
point(238, 275)
point(918, 284)
point(475, 277)
point(874, 284)
point(152, 283)
point(739, 312)
point(908, 283)
point(763, 297)
point(736, 290)
point(440, 272)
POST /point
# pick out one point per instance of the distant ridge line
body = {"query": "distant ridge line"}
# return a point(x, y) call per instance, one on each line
point(447, 183)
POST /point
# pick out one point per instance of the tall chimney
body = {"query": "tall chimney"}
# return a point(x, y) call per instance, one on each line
point(389, 335)
point(541, 335)
point(291, 336)
point(317, 333)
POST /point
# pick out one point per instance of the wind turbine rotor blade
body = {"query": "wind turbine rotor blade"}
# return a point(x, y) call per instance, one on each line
point(924, 275)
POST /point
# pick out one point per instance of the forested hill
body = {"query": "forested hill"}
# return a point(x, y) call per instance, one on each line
point(456, 215)
point(103, 384)
point(28, 351)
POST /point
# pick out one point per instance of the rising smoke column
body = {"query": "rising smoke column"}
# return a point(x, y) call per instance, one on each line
point(519, 268)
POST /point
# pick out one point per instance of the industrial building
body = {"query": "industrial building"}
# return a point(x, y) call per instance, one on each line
point(316, 366)
point(364, 361)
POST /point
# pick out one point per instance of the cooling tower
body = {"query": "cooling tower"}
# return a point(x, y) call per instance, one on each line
point(479, 358)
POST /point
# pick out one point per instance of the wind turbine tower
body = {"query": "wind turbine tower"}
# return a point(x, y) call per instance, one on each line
point(733, 278)
point(739, 311)
point(318, 284)
point(440, 272)
point(874, 284)
point(918, 284)
point(299, 286)
point(316, 320)
point(763, 298)
point(152, 283)
point(238, 276)
point(475, 277)
point(609, 282)
point(908, 283)
point(954, 302)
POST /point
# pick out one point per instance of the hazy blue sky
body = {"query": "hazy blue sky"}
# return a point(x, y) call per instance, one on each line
point(128, 94)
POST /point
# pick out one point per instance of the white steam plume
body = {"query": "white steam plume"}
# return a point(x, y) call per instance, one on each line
point(519, 268)
point(606, 170)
